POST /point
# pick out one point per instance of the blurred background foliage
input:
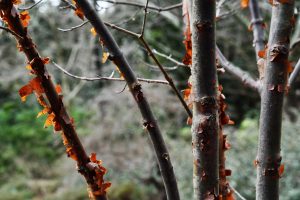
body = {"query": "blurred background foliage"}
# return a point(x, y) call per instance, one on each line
point(33, 164)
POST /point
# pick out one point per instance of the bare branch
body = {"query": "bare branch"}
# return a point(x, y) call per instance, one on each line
point(11, 32)
point(243, 76)
point(30, 7)
point(295, 44)
point(169, 57)
point(152, 55)
point(238, 194)
point(294, 74)
point(135, 88)
point(154, 8)
point(73, 27)
point(110, 78)
point(145, 19)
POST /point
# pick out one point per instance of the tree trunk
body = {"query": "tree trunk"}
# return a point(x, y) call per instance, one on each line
point(205, 110)
point(269, 168)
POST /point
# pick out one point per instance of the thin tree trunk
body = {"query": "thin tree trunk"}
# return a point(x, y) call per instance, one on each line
point(257, 25)
point(88, 169)
point(268, 161)
point(205, 110)
point(150, 123)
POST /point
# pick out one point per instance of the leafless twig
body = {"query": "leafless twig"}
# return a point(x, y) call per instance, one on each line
point(294, 74)
point(295, 44)
point(243, 76)
point(31, 6)
point(73, 27)
point(169, 57)
point(237, 193)
point(145, 19)
point(154, 8)
point(99, 78)
point(11, 32)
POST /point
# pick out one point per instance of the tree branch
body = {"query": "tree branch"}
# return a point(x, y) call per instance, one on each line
point(110, 78)
point(11, 32)
point(86, 167)
point(73, 27)
point(257, 25)
point(241, 75)
point(154, 8)
point(150, 123)
point(294, 74)
point(269, 168)
point(30, 7)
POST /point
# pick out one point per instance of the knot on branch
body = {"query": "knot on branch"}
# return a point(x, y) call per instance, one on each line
point(278, 52)
point(137, 92)
point(203, 25)
point(207, 104)
point(271, 167)
point(148, 125)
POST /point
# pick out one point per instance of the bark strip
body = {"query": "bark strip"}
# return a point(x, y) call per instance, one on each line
point(205, 109)
point(150, 123)
point(88, 169)
point(268, 161)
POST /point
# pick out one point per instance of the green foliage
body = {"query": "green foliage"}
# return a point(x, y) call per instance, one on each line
point(24, 140)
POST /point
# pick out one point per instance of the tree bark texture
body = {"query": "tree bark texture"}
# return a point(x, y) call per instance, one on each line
point(269, 168)
point(205, 109)
point(149, 123)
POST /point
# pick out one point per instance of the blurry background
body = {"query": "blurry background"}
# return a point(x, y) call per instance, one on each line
point(33, 164)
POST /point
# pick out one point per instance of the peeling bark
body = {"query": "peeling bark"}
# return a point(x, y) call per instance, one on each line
point(205, 110)
point(10, 15)
point(268, 158)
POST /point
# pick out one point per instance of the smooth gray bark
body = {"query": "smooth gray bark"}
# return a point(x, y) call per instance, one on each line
point(150, 124)
point(275, 81)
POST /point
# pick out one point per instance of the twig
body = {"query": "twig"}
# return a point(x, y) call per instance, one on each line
point(295, 44)
point(243, 76)
point(152, 55)
point(73, 27)
point(294, 74)
point(30, 7)
point(11, 32)
point(110, 78)
point(70, 5)
point(119, 92)
point(135, 88)
point(154, 8)
point(237, 193)
point(169, 57)
point(145, 19)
